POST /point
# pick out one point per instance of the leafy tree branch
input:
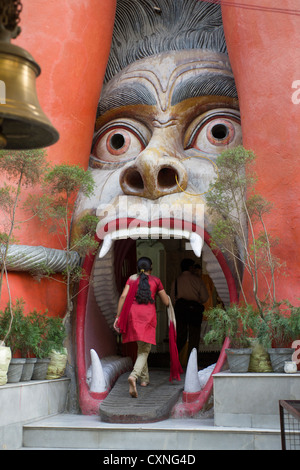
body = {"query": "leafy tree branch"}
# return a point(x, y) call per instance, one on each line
point(62, 184)
point(23, 169)
point(239, 227)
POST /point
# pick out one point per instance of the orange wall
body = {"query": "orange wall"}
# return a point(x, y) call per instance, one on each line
point(71, 42)
point(265, 57)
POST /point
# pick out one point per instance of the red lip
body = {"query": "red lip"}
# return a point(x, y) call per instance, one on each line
point(88, 401)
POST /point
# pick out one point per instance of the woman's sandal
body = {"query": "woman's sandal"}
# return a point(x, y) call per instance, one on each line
point(132, 387)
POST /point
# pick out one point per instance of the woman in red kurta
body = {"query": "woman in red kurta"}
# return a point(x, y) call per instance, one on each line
point(138, 319)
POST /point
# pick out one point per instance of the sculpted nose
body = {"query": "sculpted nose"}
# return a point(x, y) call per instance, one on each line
point(152, 176)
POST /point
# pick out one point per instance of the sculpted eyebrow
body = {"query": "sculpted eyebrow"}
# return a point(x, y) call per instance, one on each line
point(124, 96)
point(208, 85)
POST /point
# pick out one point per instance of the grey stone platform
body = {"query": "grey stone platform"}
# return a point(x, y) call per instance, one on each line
point(251, 399)
point(26, 401)
point(154, 402)
point(235, 395)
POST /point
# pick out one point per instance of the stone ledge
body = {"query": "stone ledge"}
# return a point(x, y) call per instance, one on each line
point(26, 401)
point(227, 374)
point(252, 399)
point(31, 382)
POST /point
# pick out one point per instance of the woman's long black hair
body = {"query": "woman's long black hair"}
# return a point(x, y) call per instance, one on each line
point(143, 295)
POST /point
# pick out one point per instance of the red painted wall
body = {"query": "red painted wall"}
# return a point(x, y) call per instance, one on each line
point(71, 42)
point(263, 49)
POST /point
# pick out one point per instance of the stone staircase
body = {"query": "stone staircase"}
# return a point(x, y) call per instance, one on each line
point(67, 431)
point(245, 416)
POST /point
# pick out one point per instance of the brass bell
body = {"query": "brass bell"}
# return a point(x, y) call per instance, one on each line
point(23, 124)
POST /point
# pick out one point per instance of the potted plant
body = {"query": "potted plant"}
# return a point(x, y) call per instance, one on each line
point(5, 358)
point(35, 337)
point(5, 351)
point(277, 330)
point(28, 344)
point(12, 321)
point(240, 231)
point(52, 334)
point(235, 323)
point(58, 354)
point(41, 349)
point(5, 354)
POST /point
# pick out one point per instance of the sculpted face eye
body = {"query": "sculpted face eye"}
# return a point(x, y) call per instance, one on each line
point(220, 132)
point(119, 142)
point(214, 134)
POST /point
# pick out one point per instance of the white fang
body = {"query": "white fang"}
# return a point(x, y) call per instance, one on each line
point(106, 246)
point(196, 243)
point(97, 381)
point(192, 383)
point(153, 232)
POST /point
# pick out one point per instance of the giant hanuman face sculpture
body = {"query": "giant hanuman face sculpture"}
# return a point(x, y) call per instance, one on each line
point(167, 109)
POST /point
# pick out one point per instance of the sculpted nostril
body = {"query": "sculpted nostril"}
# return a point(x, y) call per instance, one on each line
point(151, 178)
point(166, 177)
point(134, 180)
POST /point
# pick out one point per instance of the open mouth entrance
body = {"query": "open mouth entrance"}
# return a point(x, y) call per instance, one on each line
point(97, 305)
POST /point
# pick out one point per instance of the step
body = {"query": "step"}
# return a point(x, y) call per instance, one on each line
point(69, 431)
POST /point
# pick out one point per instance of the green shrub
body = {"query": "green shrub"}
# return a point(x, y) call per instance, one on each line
point(34, 334)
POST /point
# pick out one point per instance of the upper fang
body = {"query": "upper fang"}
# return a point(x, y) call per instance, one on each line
point(106, 246)
point(196, 243)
